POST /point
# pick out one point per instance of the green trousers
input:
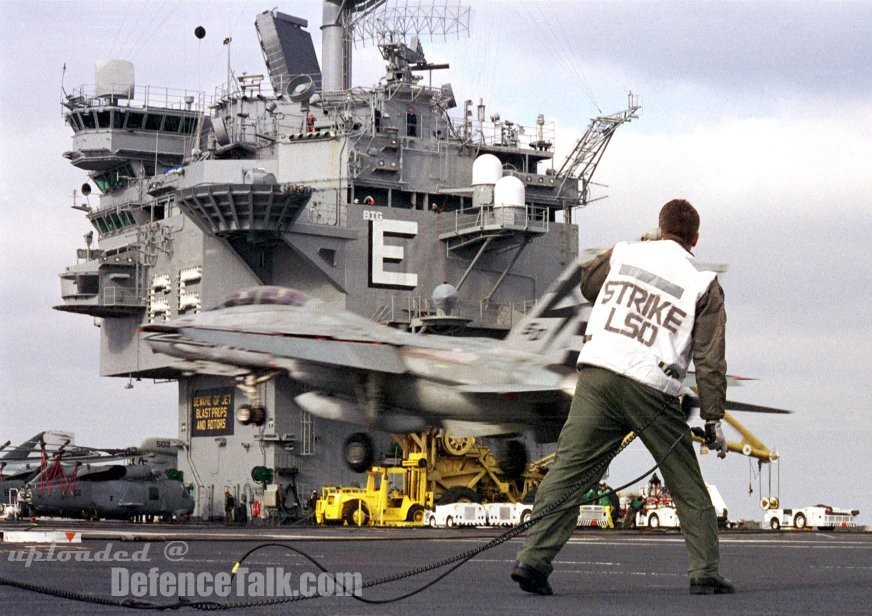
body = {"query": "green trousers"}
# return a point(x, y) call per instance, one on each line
point(607, 406)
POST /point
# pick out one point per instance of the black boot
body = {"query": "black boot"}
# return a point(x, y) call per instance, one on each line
point(711, 585)
point(531, 580)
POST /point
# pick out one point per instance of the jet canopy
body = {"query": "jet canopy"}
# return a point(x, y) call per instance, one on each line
point(271, 295)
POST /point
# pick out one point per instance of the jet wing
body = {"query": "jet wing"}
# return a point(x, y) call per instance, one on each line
point(314, 349)
point(333, 351)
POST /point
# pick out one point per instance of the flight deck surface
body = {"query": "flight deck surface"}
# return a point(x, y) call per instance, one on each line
point(599, 572)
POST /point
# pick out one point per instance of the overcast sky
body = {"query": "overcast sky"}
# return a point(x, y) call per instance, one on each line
point(759, 113)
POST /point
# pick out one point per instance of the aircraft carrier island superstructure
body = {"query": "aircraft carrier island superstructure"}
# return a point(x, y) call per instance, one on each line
point(368, 198)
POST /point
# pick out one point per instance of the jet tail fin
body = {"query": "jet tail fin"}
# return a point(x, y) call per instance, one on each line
point(555, 328)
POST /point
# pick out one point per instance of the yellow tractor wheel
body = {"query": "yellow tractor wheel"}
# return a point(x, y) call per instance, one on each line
point(356, 513)
point(457, 446)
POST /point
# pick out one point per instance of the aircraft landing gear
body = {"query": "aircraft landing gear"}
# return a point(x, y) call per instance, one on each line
point(247, 414)
point(358, 452)
point(254, 413)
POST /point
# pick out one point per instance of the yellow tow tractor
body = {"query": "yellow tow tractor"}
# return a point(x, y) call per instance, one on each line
point(393, 496)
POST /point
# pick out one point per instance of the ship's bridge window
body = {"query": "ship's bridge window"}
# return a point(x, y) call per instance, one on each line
point(104, 119)
point(135, 119)
point(189, 126)
point(88, 119)
point(118, 118)
point(100, 225)
point(172, 123)
point(113, 221)
point(153, 121)
point(265, 295)
point(109, 180)
point(75, 121)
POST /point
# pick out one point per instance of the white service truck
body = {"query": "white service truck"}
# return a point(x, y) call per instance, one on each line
point(823, 517)
point(456, 514)
point(508, 514)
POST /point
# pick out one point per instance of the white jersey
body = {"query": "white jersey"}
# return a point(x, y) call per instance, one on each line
point(641, 325)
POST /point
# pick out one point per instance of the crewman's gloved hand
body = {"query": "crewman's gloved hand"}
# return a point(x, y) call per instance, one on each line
point(714, 437)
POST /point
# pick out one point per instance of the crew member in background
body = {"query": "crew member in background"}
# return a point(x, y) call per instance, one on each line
point(608, 500)
point(634, 506)
point(653, 311)
point(229, 505)
point(603, 495)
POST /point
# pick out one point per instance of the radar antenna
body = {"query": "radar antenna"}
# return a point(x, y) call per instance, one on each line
point(392, 20)
point(387, 23)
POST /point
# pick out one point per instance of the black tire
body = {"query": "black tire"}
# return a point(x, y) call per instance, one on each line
point(653, 521)
point(431, 521)
point(356, 513)
point(775, 524)
point(799, 521)
point(358, 452)
point(459, 494)
point(258, 415)
point(415, 514)
point(449, 522)
point(513, 458)
point(526, 515)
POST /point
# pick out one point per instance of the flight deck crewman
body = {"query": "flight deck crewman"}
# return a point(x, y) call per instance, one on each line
point(653, 311)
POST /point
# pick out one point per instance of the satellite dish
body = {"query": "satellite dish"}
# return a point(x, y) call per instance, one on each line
point(301, 88)
point(86, 189)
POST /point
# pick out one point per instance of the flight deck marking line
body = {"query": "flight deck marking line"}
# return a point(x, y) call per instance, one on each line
point(621, 573)
point(731, 542)
point(559, 562)
point(861, 567)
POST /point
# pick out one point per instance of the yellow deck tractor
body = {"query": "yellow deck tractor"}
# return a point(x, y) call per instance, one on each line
point(393, 496)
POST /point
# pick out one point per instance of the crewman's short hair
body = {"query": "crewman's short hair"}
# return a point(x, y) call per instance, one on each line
point(679, 218)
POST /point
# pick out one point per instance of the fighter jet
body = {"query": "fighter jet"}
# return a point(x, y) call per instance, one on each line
point(384, 379)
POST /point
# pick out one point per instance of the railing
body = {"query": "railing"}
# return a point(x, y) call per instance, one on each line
point(143, 96)
point(486, 314)
point(527, 218)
